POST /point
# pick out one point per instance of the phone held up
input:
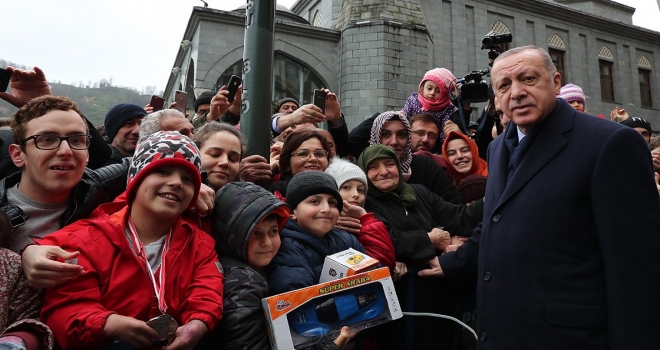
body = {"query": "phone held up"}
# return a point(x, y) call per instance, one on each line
point(157, 103)
point(5, 76)
point(319, 99)
point(181, 99)
point(232, 87)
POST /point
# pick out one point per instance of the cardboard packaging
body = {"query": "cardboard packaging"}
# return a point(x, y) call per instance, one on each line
point(317, 313)
point(346, 263)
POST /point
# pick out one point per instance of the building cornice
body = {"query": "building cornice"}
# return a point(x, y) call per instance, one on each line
point(563, 13)
point(609, 3)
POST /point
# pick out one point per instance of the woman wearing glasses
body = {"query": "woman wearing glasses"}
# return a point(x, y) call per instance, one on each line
point(304, 150)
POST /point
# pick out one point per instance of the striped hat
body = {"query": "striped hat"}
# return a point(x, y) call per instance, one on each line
point(571, 92)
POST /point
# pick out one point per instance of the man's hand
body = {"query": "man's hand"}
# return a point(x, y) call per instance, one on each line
point(618, 114)
point(149, 109)
point(219, 104)
point(235, 107)
point(25, 85)
point(187, 336)
point(130, 330)
point(435, 270)
point(655, 155)
point(254, 168)
point(439, 238)
point(275, 151)
point(348, 224)
point(400, 269)
point(450, 126)
point(305, 114)
point(332, 108)
point(42, 269)
point(205, 200)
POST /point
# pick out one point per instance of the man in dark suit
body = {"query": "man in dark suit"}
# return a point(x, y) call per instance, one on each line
point(569, 247)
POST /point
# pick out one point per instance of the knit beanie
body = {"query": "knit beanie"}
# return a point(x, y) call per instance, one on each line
point(343, 171)
point(118, 115)
point(636, 122)
point(283, 101)
point(440, 76)
point(571, 92)
point(472, 188)
point(308, 183)
point(164, 148)
point(204, 98)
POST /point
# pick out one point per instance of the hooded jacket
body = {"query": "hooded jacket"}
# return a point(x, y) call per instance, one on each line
point(300, 259)
point(479, 166)
point(239, 208)
point(115, 280)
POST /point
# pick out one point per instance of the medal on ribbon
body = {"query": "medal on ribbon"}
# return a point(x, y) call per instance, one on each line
point(164, 324)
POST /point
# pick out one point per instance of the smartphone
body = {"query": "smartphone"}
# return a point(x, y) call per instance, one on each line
point(232, 87)
point(157, 102)
point(181, 99)
point(5, 76)
point(319, 99)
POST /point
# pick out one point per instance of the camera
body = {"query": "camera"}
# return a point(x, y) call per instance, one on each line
point(492, 40)
point(474, 88)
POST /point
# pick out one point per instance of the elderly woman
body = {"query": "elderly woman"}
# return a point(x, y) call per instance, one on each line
point(416, 219)
point(393, 130)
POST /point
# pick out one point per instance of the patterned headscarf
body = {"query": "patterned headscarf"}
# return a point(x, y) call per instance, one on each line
point(406, 157)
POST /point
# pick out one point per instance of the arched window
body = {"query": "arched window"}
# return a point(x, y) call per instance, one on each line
point(317, 19)
point(606, 68)
point(557, 51)
point(291, 79)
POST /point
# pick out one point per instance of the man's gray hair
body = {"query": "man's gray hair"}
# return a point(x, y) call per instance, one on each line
point(547, 60)
point(151, 123)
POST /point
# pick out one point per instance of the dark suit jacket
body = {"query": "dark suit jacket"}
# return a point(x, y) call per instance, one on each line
point(569, 250)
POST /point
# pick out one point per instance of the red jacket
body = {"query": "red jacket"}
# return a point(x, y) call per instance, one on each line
point(376, 240)
point(116, 282)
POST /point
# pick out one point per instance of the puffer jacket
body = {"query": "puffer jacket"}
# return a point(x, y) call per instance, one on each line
point(115, 280)
point(239, 208)
point(299, 261)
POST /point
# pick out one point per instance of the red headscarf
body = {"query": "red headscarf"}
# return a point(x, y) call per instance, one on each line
point(479, 166)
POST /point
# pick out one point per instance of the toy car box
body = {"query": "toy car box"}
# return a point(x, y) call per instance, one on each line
point(317, 313)
point(346, 263)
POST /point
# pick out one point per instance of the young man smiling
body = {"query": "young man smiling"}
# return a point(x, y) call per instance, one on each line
point(53, 188)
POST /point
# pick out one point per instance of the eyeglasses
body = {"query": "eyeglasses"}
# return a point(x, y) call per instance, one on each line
point(50, 141)
point(304, 154)
point(422, 133)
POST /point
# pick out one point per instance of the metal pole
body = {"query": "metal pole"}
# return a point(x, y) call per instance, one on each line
point(258, 75)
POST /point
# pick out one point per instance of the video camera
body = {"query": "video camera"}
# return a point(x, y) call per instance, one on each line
point(473, 88)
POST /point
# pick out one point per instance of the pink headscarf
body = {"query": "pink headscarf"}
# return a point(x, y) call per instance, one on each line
point(443, 78)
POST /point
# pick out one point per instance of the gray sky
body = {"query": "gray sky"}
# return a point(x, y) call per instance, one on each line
point(134, 42)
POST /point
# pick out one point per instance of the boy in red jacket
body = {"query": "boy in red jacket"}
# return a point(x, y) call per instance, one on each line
point(150, 277)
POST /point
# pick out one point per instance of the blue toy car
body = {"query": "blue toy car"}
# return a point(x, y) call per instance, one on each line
point(322, 316)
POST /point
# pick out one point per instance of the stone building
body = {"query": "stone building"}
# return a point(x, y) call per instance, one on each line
point(374, 53)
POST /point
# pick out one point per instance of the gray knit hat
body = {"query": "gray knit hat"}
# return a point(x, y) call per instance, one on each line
point(283, 101)
point(308, 183)
point(343, 170)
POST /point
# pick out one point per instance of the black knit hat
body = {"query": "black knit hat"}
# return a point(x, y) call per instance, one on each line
point(283, 101)
point(636, 122)
point(120, 114)
point(204, 98)
point(472, 188)
point(308, 183)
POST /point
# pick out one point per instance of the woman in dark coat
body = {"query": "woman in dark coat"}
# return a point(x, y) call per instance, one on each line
point(416, 220)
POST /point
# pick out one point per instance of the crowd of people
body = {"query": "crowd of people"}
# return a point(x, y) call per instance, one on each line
point(537, 224)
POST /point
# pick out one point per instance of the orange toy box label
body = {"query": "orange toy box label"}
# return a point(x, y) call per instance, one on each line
point(316, 313)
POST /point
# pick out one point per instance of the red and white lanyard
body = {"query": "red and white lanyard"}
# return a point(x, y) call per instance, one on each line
point(159, 287)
